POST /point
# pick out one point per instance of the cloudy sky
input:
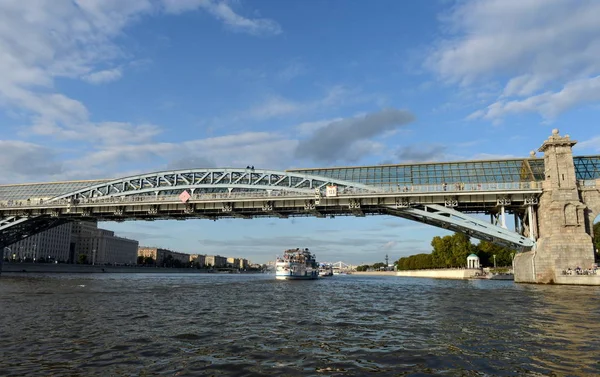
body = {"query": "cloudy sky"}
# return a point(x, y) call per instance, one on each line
point(109, 88)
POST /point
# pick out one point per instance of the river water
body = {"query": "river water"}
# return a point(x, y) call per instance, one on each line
point(254, 325)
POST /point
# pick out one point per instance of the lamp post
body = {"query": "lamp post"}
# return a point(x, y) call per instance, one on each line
point(513, 262)
point(494, 261)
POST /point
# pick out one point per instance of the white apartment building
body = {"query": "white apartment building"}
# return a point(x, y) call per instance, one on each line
point(215, 261)
point(101, 246)
point(52, 244)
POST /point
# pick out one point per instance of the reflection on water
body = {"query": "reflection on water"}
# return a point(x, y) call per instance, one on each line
point(253, 325)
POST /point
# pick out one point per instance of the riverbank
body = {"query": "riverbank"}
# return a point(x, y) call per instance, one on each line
point(442, 273)
point(88, 269)
point(374, 273)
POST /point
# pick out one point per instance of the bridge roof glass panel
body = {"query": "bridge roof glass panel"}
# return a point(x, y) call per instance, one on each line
point(587, 167)
point(42, 190)
point(517, 170)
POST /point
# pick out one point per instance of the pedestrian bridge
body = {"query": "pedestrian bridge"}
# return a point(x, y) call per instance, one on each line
point(441, 194)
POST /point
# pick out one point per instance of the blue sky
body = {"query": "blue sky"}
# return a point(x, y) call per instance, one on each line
point(110, 88)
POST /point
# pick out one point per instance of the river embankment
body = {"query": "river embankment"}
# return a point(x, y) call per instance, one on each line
point(441, 273)
point(374, 273)
point(84, 268)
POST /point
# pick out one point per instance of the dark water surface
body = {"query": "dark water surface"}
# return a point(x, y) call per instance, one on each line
point(253, 325)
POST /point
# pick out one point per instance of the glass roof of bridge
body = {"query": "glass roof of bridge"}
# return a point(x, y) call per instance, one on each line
point(515, 170)
point(42, 190)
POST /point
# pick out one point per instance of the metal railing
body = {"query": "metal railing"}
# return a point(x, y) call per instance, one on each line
point(248, 195)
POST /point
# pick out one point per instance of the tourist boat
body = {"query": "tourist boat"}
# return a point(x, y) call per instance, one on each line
point(325, 269)
point(339, 272)
point(296, 264)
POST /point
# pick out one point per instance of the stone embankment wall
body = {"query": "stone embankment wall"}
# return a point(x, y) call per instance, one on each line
point(440, 273)
point(578, 280)
point(79, 268)
point(374, 273)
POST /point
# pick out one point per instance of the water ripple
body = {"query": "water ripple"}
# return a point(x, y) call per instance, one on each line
point(252, 325)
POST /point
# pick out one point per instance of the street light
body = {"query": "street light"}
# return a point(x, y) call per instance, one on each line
point(494, 261)
point(513, 262)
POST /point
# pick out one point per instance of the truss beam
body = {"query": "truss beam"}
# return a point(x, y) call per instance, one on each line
point(14, 230)
point(217, 180)
point(454, 220)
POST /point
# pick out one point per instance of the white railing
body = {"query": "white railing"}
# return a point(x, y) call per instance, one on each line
point(588, 183)
point(341, 192)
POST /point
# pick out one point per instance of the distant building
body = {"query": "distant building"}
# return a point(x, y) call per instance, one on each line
point(237, 263)
point(233, 262)
point(198, 258)
point(215, 261)
point(159, 254)
point(101, 246)
point(52, 244)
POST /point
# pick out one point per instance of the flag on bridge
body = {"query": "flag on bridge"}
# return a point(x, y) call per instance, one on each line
point(184, 196)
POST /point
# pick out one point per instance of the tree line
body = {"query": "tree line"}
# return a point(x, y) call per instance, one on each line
point(375, 267)
point(452, 251)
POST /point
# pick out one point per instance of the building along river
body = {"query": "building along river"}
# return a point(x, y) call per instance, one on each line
point(253, 325)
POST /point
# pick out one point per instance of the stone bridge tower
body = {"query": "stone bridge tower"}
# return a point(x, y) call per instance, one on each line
point(564, 218)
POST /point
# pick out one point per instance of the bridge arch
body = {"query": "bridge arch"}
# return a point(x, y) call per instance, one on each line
point(212, 181)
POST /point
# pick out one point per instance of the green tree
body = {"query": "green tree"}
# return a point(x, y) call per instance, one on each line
point(487, 250)
point(441, 254)
point(149, 261)
point(140, 259)
point(461, 247)
point(82, 259)
point(415, 262)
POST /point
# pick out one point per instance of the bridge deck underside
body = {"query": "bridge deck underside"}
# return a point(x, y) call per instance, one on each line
point(27, 227)
point(396, 204)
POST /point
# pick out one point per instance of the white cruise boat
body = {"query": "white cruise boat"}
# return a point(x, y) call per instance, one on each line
point(325, 269)
point(296, 264)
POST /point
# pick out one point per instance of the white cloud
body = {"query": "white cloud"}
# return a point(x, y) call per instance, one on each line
point(223, 11)
point(389, 245)
point(291, 71)
point(74, 39)
point(277, 106)
point(549, 104)
point(100, 77)
point(24, 161)
point(261, 149)
point(308, 128)
point(592, 144)
point(539, 50)
point(350, 139)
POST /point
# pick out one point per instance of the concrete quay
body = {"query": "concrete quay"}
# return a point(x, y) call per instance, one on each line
point(88, 269)
point(441, 273)
point(374, 273)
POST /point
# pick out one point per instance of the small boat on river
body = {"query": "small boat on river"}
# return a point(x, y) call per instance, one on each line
point(325, 270)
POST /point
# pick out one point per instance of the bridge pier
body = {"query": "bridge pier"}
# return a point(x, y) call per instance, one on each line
point(563, 238)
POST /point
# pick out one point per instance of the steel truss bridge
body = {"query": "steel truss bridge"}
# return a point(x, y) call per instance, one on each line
point(246, 193)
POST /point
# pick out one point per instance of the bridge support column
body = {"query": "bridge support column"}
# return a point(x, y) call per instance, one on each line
point(562, 240)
